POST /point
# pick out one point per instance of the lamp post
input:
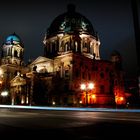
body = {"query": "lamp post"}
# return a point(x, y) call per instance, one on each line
point(86, 87)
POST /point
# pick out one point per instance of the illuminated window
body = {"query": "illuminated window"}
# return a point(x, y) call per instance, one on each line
point(76, 46)
point(67, 46)
point(85, 47)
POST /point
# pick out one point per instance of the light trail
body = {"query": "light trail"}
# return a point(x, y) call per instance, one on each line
point(71, 108)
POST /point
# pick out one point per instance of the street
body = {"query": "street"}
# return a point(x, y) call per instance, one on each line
point(78, 125)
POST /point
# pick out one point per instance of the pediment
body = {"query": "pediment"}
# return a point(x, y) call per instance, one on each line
point(40, 59)
point(18, 81)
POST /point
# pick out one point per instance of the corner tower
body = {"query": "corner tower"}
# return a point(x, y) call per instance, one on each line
point(12, 50)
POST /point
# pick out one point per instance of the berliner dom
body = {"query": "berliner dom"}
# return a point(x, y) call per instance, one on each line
point(69, 73)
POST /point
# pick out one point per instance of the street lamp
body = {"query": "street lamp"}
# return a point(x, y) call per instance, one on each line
point(86, 87)
point(4, 93)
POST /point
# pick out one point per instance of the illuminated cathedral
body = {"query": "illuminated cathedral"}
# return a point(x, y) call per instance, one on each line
point(69, 73)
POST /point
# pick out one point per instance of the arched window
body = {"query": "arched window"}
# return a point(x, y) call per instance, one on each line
point(15, 53)
point(76, 46)
point(102, 75)
point(53, 47)
point(67, 74)
point(9, 51)
point(20, 54)
point(50, 48)
point(67, 47)
point(85, 47)
point(2, 53)
point(102, 89)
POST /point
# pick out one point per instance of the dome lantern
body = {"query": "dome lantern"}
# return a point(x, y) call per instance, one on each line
point(71, 8)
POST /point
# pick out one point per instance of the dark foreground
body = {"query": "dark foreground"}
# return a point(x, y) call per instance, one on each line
point(77, 125)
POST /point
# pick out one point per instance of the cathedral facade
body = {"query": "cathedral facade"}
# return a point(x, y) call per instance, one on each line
point(71, 59)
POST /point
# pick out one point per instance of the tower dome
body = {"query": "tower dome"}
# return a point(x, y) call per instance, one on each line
point(12, 50)
point(71, 22)
point(13, 39)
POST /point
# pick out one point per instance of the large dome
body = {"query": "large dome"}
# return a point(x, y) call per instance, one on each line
point(71, 22)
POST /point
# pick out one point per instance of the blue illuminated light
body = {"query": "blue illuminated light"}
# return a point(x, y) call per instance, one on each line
point(12, 38)
point(70, 108)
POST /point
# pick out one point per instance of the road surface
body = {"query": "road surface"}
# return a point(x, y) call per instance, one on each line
point(76, 125)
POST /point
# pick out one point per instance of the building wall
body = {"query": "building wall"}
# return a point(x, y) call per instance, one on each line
point(87, 70)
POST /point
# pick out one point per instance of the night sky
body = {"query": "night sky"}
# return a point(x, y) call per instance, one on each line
point(111, 19)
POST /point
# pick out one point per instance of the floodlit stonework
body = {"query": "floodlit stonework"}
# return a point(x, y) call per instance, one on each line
point(71, 58)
